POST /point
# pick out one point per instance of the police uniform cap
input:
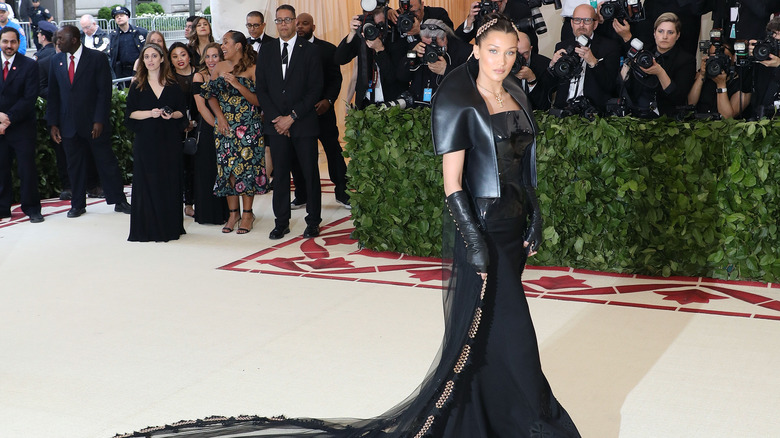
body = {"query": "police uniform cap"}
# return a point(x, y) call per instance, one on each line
point(120, 10)
point(47, 27)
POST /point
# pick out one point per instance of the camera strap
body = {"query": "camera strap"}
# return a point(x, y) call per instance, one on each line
point(574, 85)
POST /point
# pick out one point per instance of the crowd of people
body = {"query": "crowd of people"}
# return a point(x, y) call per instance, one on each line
point(616, 57)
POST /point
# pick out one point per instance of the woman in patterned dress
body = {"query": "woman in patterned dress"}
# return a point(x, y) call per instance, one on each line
point(238, 132)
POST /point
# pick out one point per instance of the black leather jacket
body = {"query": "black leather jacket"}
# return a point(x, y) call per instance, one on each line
point(460, 120)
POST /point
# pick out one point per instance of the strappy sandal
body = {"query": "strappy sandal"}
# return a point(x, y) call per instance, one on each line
point(226, 229)
point(242, 230)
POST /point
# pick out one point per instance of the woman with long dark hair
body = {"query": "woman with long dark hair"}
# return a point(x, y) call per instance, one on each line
point(155, 113)
point(210, 209)
point(199, 38)
point(239, 137)
point(181, 63)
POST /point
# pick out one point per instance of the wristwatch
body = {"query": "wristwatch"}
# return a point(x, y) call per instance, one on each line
point(721, 90)
point(293, 115)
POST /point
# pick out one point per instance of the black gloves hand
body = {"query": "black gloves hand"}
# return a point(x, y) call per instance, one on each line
point(476, 248)
point(534, 234)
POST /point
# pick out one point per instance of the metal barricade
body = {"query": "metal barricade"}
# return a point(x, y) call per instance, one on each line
point(28, 33)
point(101, 22)
point(171, 26)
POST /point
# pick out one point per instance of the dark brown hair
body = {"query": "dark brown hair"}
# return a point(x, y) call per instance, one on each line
point(142, 75)
point(248, 54)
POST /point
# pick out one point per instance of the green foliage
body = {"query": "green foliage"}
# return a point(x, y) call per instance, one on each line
point(121, 142)
point(149, 8)
point(104, 13)
point(623, 195)
point(207, 11)
point(398, 201)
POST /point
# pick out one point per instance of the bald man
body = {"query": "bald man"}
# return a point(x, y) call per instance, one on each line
point(329, 129)
point(600, 62)
point(535, 81)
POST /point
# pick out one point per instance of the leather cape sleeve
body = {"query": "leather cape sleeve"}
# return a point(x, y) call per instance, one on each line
point(451, 114)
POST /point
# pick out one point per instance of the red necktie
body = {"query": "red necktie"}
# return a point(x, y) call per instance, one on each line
point(71, 68)
point(5, 70)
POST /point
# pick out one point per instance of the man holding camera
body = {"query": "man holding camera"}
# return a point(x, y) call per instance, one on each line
point(438, 52)
point(379, 50)
point(764, 91)
point(532, 73)
point(420, 13)
point(516, 10)
point(597, 63)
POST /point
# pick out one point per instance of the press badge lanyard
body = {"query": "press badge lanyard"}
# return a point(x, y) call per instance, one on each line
point(428, 92)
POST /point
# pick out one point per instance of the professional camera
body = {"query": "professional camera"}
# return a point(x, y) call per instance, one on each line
point(719, 61)
point(432, 53)
point(629, 10)
point(579, 105)
point(618, 107)
point(404, 101)
point(638, 56)
point(536, 20)
point(569, 65)
point(406, 18)
point(520, 62)
point(487, 7)
point(371, 30)
point(741, 54)
point(763, 49)
point(370, 5)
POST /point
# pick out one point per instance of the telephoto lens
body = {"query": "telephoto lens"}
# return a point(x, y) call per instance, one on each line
point(539, 25)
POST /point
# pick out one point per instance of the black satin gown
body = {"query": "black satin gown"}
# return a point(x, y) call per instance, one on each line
point(156, 213)
point(209, 209)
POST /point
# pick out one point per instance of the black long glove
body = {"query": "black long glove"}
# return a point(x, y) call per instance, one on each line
point(534, 234)
point(476, 248)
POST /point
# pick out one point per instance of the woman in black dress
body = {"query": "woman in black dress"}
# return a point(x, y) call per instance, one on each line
point(181, 64)
point(210, 209)
point(155, 113)
point(199, 38)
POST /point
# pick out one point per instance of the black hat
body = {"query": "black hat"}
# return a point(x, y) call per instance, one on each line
point(47, 27)
point(120, 10)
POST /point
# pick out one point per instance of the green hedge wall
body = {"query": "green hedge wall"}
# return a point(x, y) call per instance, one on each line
point(121, 139)
point(618, 194)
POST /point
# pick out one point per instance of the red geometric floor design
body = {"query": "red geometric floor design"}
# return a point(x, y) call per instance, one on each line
point(48, 208)
point(334, 256)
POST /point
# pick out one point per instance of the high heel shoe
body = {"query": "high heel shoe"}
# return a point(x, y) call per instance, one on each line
point(242, 230)
point(226, 229)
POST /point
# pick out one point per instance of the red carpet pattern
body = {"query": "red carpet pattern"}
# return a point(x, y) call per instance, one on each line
point(335, 256)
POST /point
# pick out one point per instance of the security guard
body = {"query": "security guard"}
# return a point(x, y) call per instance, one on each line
point(126, 43)
point(38, 13)
point(92, 36)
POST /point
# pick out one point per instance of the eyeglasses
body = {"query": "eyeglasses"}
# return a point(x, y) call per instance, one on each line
point(286, 20)
point(430, 27)
point(578, 20)
point(254, 25)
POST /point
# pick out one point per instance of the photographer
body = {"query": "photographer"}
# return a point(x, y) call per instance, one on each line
point(689, 13)
point(763, 87)
point(749, 13)
point(663, 86)
point(440, 43)
point(421, 13)
point(532, 73)
point(516, 10)
point(716, 94)
point(379, 53)
point(596, 65)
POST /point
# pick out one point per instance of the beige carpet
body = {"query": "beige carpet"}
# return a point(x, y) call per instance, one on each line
point(100, 336)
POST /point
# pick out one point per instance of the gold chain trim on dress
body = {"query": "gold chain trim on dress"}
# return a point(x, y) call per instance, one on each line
point(464, 357)
point(426, 426)
point(475, 323)
point(445, 394)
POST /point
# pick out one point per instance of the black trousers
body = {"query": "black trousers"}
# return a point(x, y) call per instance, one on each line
point(24, 150)
point(337, 167)
point(285, 150)
point(77, 150)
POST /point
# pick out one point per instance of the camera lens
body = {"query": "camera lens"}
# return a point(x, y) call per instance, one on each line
point(370, 31)
point(608, 10)
point(761, 51)
point(405, 23)
point(713, 67)
point(644, 59)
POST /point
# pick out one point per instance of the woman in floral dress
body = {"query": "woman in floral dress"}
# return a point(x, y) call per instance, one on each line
point(238, 132)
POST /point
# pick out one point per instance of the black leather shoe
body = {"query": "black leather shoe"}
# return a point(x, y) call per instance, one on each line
point(36, 218)
point(278, 232)
point(296, 204)
point(311, 231)
point(76, 212)
point(122, 207)
point(66, 195)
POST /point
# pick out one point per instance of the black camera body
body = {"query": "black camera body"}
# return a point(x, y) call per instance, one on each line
point(623, 10)
point(520, 62)
point(372, 30)
point(719, 61)
point(580, 106)
point(639, 57)
point(769, 46)
point(487, 7)
point(432, 53)
point(406, 18)
point(569, 64)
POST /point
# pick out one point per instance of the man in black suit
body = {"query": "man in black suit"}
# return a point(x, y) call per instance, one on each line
point(600, 63)
point(255, 25)
point(289, 84)
point(377, 61)
point(329, 128)
point(534, 80)
point(78, 113)
point(18, 93)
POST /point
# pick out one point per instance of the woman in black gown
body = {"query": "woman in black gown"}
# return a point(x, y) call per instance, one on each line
point(155, 113)
point(210, 209)
point(181, 65)
point(486, 381)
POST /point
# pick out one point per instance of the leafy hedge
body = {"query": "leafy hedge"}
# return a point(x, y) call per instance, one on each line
point(619, 194)
point(121, 141)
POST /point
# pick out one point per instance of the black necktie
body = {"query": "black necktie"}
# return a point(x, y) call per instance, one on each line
point(285, 55)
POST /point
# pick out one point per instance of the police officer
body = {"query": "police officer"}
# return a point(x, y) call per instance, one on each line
point(92, 36)
point(126, 43)
point(38, 13)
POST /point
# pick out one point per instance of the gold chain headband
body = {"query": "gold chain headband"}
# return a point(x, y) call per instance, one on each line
point(486, 26)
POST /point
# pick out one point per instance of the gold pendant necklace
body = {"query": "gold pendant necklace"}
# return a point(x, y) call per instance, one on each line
point(499, 95)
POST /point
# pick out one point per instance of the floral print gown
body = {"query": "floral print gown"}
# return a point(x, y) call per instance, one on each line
point(241, 153)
